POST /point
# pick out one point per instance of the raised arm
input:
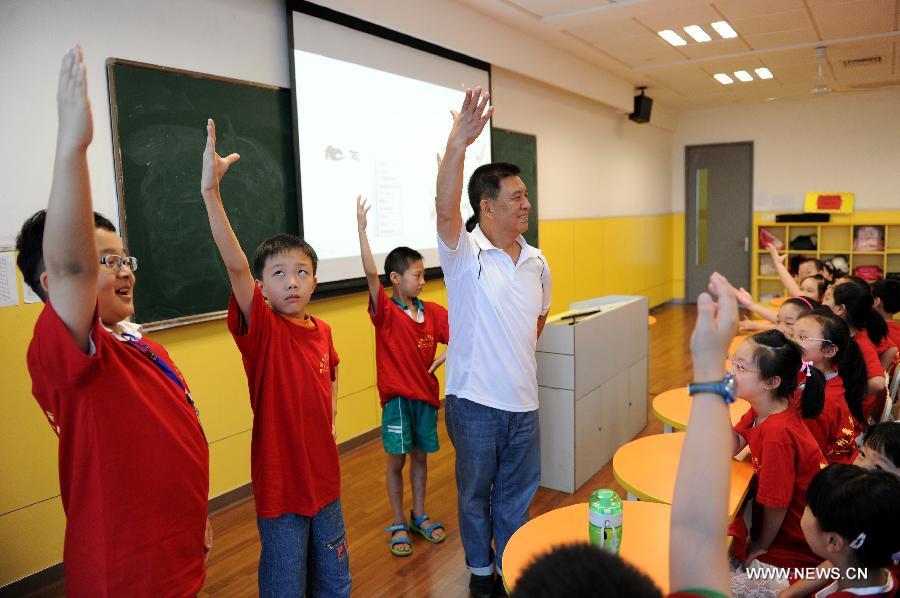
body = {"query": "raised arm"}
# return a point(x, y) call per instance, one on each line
point(697, 553)
point(467, 126)
point(780, 261)
point(365, 252)
point(70, 249)
point(747, 302)
point(214, 168)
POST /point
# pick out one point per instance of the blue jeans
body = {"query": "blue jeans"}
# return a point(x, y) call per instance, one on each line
point(498, 468)
point(304, 554)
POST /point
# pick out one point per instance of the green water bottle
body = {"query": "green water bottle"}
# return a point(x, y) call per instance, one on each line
point(605, 526)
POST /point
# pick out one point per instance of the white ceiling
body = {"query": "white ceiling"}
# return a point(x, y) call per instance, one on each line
point(620, 36)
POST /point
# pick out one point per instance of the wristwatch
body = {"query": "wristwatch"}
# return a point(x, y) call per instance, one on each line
point(725, 387)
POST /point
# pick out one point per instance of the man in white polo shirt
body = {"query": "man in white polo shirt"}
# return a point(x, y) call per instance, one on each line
point(498, 289)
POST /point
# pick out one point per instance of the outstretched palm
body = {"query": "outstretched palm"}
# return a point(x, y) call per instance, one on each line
point(214, 165)
point(471, 118)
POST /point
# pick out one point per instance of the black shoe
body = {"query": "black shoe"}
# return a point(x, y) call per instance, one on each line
point(499, 588)
point(481, 586)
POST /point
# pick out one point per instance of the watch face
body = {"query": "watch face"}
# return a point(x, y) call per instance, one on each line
point(730, 385)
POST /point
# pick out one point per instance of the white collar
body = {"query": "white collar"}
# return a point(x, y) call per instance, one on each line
point(485, 244)
point(124, 327)
point(867, 591)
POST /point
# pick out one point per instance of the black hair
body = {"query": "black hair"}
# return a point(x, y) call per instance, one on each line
point(856, 297)
point(851, 365)
point(821, 285)
point(851, 501)
point(885, 438)
point(485, 184)
point(776, 355)
point(277, 245)
point(820, 265)
point(30, 245)
point(888, 290)
point(583, 571)
point(804, 303)
point(399, 259)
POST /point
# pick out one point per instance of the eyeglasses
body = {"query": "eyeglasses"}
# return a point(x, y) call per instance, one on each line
point(117, 262)
point(739, 367)
point(801, 338)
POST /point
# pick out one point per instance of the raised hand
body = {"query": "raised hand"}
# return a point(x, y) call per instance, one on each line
point(76, 127)
point(715, 328)
point(744, 297)
point(473, 115)
point(777, 257)
point(362, 209)
point(214, 165)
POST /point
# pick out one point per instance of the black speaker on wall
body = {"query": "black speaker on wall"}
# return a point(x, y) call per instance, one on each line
point(642, 107)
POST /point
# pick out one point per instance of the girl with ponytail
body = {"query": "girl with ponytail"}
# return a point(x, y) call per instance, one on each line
point(829, 349)
point(852, 301)
point(785, 455)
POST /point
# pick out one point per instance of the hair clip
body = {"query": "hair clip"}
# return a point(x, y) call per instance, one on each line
point(806, 367)
point(858, 542)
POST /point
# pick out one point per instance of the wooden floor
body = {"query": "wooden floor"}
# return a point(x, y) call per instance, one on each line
point(432, 570)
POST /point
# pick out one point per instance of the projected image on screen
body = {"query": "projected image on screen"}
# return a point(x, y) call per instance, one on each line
point(371, 116)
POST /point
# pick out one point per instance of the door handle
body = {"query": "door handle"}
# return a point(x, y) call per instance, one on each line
point(746, 244)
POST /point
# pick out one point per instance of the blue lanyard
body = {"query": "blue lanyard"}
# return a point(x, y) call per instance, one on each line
point(145, 349)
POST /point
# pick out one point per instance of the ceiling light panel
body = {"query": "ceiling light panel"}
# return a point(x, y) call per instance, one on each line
point(723, 79)
point(672, 37)
point(743, 76)
point(764, 73)
point(697, 32)
point(724, 29)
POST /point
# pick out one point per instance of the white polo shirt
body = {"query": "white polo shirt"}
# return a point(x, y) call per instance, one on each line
point(494, 308)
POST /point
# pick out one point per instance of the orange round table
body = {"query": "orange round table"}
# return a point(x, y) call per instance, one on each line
point(777, 302)
point(673, 408)
point(647, 467)
point(651, 320)
point(645, 539)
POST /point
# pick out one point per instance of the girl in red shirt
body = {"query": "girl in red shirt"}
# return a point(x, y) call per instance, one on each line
point(784, 453)
point(853, 520)
point(852, 301)
point(828, 347)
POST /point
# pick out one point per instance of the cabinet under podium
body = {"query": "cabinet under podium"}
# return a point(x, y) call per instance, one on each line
point(592, 371)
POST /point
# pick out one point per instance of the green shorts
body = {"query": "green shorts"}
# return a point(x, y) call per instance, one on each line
point(407, 424)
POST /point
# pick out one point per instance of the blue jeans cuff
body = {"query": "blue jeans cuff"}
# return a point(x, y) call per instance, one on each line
point(489, 570)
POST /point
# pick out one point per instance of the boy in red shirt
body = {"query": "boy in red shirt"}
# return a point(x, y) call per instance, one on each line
point(407, 331)
point(133, 459)
point(291, 368)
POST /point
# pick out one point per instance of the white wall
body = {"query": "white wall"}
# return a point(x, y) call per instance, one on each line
point(831, 143)
point(244, 39)
point(592, 161)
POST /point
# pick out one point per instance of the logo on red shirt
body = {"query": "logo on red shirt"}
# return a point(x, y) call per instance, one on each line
point(426, 341)
point(323, 364)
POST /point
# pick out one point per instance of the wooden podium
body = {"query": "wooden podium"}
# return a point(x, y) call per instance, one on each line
point(592, 384)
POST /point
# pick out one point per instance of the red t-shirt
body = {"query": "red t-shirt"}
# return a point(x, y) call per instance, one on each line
point(405, 349)
point(290, 370)
point(834, 429)
point(873, 403)
point(894, 331)
point(785, 458)
point(133, 464)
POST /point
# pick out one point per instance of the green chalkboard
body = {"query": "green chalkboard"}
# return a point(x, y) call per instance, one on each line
point(520, 149)
point(159, 132)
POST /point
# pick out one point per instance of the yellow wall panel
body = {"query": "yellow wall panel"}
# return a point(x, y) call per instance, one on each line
point(358, 413)
point(557, 239)
point(229, 463)
point(31, 539)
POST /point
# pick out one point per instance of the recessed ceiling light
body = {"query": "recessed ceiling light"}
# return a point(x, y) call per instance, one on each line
point(764, 73)
point(672, 37)
point(696, 31)
point(743, 76)
point(723, 79)
point(724, 29)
